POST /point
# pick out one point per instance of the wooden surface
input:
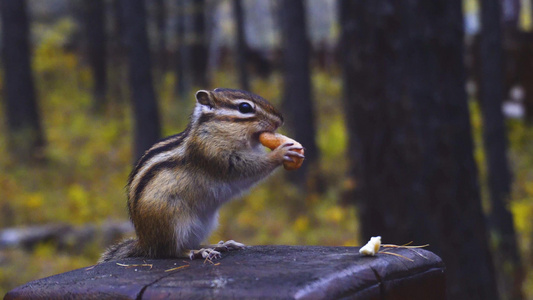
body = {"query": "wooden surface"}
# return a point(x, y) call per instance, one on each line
point(284, 272)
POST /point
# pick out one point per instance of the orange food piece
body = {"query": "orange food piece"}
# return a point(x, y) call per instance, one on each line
point(274, 140)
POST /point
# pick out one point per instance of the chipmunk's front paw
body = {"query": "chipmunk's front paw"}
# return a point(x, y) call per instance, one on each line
point(213, 251)
point(228, 245)
point(288, 152)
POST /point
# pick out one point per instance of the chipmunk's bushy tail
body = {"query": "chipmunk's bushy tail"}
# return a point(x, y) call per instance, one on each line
point(127, 248)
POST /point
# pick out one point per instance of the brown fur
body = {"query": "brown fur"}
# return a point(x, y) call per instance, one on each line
point(177, 187)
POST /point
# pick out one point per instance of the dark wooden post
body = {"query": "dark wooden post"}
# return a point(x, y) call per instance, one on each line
point(259, 272)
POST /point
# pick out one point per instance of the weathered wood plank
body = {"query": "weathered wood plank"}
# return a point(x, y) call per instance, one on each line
point(288, 272)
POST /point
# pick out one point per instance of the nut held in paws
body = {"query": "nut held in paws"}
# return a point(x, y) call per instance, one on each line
point(274, 140)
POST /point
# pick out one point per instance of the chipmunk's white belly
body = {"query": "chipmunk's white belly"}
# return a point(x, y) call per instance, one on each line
point(192, 232)
point(203, 219)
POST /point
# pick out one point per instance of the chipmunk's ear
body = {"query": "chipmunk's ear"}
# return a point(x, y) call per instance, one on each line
point(205, 98)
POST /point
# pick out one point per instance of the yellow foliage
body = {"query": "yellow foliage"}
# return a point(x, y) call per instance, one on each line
point(301, 224)
point(522, 212)
point(78, 202)
point(332, 139)
point(470, 6)
point(335, 214)
point(49, 55)
point(525, 15)
point(528, 188)
point(35, 201)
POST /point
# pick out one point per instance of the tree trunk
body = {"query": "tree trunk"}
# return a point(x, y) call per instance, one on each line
point(297, 95)
point(499, 176)
point(526, 74)
point(118, 87)
point(182, 55)
point(410, 135)
point(196, 42)
point(510, 12)
point(161, 40)
point(96, 50)
point(241, 48)
point(25, 134)
point(146, 115)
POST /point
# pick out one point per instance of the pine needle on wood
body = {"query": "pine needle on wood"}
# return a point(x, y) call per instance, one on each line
point(135, 265)
point(177, 268)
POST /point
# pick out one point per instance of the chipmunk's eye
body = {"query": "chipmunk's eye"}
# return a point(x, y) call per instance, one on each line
point(245, 108)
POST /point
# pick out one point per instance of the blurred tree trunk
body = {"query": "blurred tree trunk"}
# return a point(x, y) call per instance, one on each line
point(117, 54)
point(95, 32)
point(511, 45)
point(297, 94)
point(510, 12)
point(526, 71)
point(410, 135)
point(526, 74)
point(499, 176)
point(241, 48)
point(518, 55)
point(146, 115)
point(196, 42)
point(25, 134)
point(182, 57)
point(161, 39)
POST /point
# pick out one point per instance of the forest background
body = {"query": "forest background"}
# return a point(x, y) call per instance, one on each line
point(107, 78)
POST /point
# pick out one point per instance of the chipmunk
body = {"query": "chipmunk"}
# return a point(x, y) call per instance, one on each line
point(179, 184)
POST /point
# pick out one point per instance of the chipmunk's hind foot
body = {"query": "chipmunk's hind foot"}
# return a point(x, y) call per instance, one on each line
point(214, 251)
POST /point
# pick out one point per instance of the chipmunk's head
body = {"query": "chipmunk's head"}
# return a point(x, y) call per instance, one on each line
point(234, 114)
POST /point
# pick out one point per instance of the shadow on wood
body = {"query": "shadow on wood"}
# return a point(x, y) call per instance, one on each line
point(289, 272)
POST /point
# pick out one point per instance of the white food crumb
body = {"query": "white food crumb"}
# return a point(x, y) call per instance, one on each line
point(372, 247)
